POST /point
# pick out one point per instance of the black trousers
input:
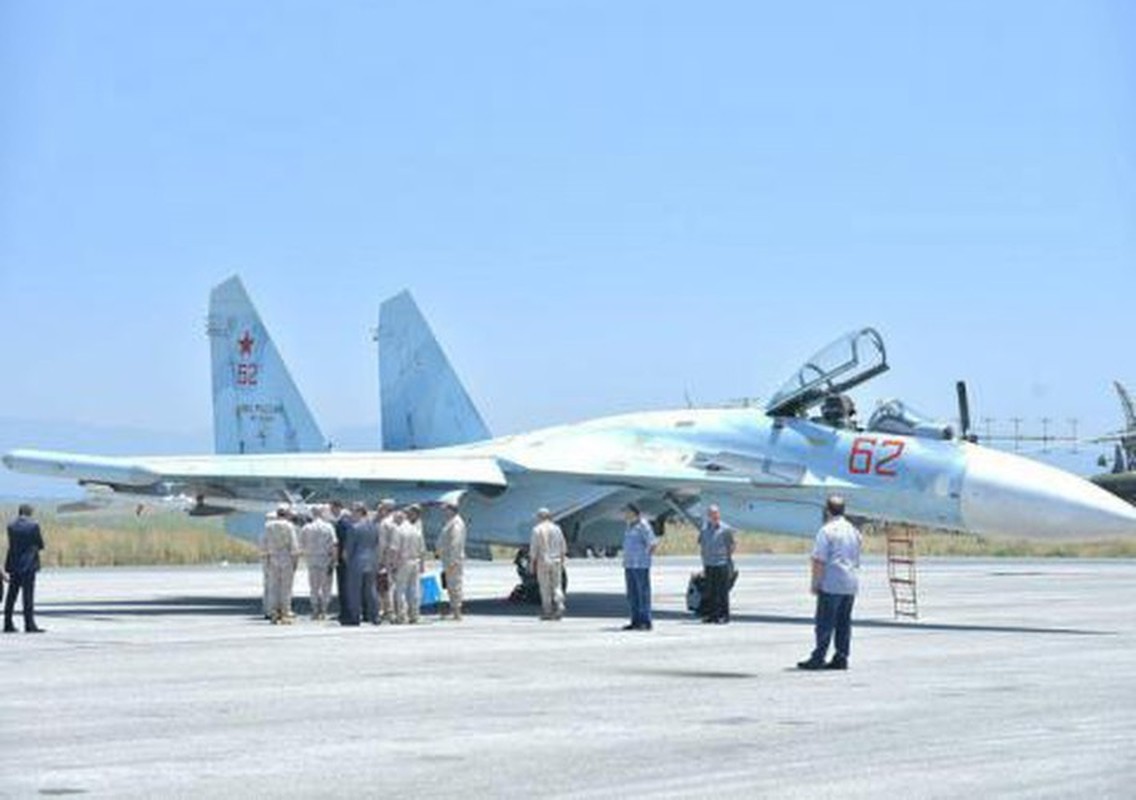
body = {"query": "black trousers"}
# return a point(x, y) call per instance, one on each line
point(21, 583)
point(361, 600)
point(341, 589)
point(718, 592)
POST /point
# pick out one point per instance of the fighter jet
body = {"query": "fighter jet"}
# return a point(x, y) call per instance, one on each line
point(768, 469)
point(1121, 480)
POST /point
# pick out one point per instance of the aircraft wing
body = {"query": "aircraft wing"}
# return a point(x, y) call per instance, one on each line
point(264, 478)
point(595, 490)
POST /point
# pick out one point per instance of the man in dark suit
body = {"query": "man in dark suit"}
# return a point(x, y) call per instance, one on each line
point(342, 521)
point(24, 543)
point(362, 558)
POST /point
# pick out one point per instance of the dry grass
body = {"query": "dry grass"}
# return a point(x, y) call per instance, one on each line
point(114, 540)
point(103, 539)
point(683, 540)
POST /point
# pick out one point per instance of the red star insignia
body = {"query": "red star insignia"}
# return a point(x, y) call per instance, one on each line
point(246, 343)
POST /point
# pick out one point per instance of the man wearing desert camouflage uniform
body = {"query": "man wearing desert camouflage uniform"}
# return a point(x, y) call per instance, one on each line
point(281, 551)
point(317, 539)
point(547, 551)
point(385, 518)
point(451, 549)
point(409, 553)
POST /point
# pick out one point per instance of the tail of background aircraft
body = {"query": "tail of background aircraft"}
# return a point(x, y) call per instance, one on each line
point(256, 406)
point(423, 402)
point(1127, 405)
point(1126, 451)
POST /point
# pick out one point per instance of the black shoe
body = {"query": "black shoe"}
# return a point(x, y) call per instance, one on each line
point(10, 629)
point(35, 630)
point(811, 663)
point(631, 626)
point(837, 663)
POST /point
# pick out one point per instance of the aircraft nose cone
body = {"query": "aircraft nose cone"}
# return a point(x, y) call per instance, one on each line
point(1015, 496)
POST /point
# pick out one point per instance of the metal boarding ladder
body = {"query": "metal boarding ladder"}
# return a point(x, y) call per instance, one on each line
point(901, 570)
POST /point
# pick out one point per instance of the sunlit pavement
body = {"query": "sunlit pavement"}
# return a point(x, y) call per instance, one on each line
point(1017, 680)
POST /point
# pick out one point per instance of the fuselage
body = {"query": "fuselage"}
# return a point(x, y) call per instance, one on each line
point(766, 473)
point(773, 474)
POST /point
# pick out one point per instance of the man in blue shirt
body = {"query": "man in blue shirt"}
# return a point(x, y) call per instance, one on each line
point(22, 563)
point(835, 580)
point(717, 542)
point(638, 547)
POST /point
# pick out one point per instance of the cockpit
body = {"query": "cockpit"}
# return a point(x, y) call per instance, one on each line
point(849, 361)
point(824, 379)
point(895, 416)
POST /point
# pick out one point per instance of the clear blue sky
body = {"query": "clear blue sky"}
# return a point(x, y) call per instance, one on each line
point(598, 205)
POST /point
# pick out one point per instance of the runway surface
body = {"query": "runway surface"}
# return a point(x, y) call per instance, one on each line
point(1020, 680)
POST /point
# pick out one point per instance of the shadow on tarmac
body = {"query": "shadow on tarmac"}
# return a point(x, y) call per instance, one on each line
point(614, 606)
point(921, 626)
point(165, 606)
point(588, 605)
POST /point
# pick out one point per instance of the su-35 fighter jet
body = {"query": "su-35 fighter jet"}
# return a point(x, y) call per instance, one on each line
point(768, 470)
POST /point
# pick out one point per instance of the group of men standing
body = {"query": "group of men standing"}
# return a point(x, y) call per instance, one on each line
point(835, 565)
point(377, 559)
point(716, 542)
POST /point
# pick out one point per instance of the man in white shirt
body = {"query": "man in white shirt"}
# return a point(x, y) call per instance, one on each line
point(835, 581)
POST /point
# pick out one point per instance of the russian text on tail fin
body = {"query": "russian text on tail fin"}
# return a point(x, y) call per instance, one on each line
point(423, 403)
point(256, 405)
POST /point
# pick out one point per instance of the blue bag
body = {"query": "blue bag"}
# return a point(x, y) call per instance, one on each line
point(430, 591)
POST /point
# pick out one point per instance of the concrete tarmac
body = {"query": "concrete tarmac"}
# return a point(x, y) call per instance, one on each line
point(1018, 681)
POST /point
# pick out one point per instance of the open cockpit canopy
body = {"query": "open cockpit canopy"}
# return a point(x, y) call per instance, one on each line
point(849, 361)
